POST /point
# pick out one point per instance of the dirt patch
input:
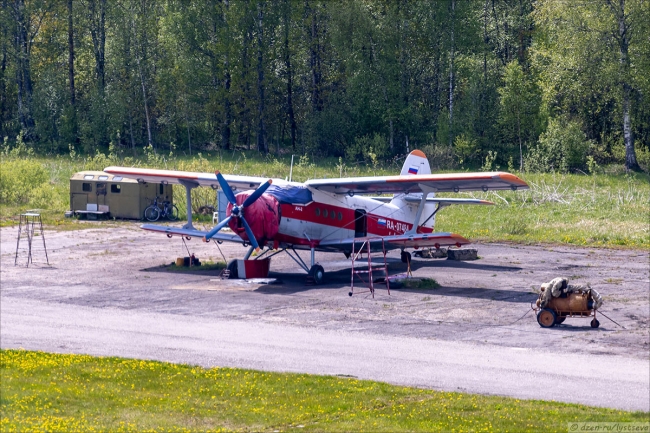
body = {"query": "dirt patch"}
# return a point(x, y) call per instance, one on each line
point(479, 301)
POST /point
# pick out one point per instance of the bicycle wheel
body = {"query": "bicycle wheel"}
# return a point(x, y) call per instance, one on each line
point(172, 213)
point(152, 213)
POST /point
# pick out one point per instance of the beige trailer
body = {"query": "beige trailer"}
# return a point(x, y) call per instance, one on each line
point(95, 193)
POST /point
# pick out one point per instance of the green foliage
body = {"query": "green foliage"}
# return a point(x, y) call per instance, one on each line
point(562, 147)
point(21, 181)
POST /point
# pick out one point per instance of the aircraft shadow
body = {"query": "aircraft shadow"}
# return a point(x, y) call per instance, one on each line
point(515, 296)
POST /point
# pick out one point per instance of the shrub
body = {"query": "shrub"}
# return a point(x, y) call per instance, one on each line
point(562, 147)
point(18, 178)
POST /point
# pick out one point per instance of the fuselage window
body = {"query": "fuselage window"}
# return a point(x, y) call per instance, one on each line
point(86, 187)
point(317, 211)
point(340, 216)
point(325, 213)
point(116, 188)
point(333, 215)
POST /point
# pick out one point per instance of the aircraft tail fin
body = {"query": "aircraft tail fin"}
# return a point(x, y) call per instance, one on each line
point(416, 163)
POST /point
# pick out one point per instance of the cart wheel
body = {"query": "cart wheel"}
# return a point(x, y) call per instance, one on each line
point(595, 323)
point(559, 319)
point(546, 318)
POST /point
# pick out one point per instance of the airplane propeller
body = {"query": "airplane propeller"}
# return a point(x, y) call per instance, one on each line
point(238, 211)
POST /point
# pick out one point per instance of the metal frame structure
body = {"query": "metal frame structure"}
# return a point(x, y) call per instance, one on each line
point(376, 268)
point(28, 223)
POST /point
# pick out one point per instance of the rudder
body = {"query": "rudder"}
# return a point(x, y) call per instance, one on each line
point(416, 163)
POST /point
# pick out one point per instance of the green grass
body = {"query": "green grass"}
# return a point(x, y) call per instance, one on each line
point(609, 210)
point(52, 392)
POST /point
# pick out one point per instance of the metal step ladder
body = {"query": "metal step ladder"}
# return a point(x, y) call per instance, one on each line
point(366, 247)
point(30, 225)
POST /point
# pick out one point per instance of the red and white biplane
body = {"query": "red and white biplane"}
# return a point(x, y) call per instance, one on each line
point(330, 215)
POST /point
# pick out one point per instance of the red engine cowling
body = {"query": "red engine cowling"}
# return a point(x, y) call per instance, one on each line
point(263, 217)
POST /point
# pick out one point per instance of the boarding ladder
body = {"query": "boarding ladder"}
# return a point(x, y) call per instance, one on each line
point(366, 247)
point(30, 225)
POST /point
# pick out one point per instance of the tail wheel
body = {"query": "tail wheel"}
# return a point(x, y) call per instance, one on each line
point(546, 318)
point(152, 213)
point(317, 273)
point(595, 323)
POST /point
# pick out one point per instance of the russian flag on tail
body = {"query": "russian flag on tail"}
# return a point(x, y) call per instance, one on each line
point(413, 170)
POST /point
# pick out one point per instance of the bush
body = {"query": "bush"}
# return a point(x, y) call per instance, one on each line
point(562, 147)
point(19, 178)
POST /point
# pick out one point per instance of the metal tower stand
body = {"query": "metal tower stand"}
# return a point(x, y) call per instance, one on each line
point(30, 225)
point(376, 268)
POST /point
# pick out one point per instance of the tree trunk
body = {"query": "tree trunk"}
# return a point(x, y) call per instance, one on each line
point(98, 35)
point(315, 63)
point(227, 122)
point(623, 41)
point(451, 77)
point(261, 129)
point(23, 72)
point(287, 62)
point(71, 54)
point(138, 53)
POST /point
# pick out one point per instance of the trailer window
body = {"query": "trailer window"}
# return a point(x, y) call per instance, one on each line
point(161, 189)
point(117, 178)
point(116, 188)
point(103, 178)
point(89, 176)
point(86, 186)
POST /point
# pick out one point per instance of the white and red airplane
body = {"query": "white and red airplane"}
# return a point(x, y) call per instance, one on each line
point(330, 215)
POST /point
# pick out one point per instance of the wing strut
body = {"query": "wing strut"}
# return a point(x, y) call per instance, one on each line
point(188, 184)
point(426, 190)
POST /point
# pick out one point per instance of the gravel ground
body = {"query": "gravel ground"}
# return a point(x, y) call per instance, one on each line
point(118, 273)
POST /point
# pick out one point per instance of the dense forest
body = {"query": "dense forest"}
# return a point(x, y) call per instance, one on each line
point(540, 85)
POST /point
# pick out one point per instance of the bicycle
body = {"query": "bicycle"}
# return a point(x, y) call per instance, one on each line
point(154, 211)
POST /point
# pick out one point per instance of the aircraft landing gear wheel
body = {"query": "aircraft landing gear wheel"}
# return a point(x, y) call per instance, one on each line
point(406, 257)
point(595, 323)
point(559, 319)
point(232, 267)
point(317, 273)
point(546, 318)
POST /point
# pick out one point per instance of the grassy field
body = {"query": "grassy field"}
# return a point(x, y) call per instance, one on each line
point(51, 392)
point(610, 210)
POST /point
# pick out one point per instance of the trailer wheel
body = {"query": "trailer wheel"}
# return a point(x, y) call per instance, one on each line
point(546, 318)
point(595, 323)
point(560, 319)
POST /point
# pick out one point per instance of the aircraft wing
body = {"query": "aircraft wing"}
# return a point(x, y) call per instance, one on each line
point(418, 240)
point(441, 200)
point(448, 182)
point(177, 231)
point(151, 175)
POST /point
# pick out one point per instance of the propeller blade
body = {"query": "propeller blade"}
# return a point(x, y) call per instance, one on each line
point(226, 188)
point(258, 192)
point(251, 237)
point(216, 228)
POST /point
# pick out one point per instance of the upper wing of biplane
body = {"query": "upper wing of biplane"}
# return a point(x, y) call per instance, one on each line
point(448, 182)
point(415, 240)
point(151, 175)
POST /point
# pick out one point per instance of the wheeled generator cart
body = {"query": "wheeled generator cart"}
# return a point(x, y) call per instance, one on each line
point(581, 303)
